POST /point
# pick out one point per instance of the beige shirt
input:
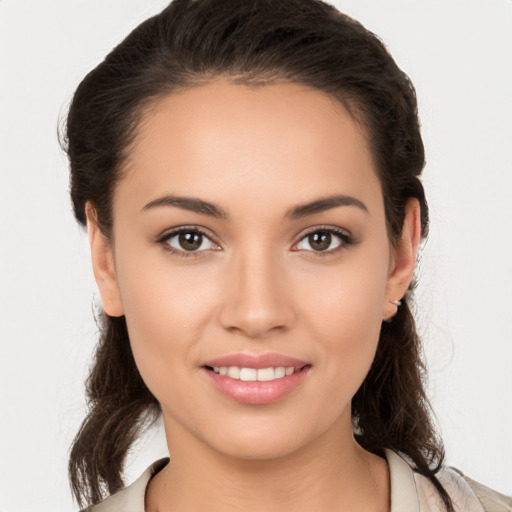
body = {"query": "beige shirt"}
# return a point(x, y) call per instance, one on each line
point(410, 492)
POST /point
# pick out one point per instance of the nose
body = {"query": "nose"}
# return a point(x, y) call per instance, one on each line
point(257, 300)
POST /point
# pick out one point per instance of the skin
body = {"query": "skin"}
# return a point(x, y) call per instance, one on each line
point(257, 287)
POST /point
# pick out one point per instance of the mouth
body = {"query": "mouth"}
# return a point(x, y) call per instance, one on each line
point(256, 380)
point(256, 374)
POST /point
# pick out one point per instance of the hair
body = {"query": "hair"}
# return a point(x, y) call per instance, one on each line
point(256, 42)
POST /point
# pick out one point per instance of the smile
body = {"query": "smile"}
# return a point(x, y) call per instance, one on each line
point(254, 374)
point(256, 379)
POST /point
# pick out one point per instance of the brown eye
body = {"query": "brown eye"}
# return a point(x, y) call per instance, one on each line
point(320, 241)
point(323, 240)
point(188, 241)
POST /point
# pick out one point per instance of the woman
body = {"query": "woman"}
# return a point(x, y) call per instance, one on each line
point(248, 173)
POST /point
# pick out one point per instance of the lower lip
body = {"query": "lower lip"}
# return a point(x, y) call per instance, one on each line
point(257, 393)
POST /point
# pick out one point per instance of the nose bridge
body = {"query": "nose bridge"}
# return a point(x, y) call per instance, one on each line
point(257, 300)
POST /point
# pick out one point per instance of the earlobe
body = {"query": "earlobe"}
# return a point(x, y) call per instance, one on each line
point(103, 266)
point(403, 257)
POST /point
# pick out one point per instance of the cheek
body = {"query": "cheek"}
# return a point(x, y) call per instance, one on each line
point(347, 295)
point(346, 317)
point(166, 307)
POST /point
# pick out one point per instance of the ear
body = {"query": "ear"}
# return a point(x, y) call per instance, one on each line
point(403, 259)
point(103, 265)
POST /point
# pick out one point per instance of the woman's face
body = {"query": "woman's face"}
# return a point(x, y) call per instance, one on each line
point(249, 234)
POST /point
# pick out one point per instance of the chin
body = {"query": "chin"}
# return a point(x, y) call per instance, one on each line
point(257, 448)
point(265, 440)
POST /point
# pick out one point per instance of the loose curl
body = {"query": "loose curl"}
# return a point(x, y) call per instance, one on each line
point(254, 42)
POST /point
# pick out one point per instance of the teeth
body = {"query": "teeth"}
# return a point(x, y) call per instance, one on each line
point(233, 372)
point(253, 374)
point(266, 374)
point(248, 374)
point(280, 372)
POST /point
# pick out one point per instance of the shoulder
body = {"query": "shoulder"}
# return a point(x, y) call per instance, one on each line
point(413, 492)
point(491, 500)
point(465, 493)
point(131, 498)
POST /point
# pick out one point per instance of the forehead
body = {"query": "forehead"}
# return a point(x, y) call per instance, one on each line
point(282, 142)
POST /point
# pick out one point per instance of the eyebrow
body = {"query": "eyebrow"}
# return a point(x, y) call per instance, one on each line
point(188, 203)
point(297, 212)
point(323, 204)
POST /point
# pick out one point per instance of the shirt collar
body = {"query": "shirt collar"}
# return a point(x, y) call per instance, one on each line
point(404, 496)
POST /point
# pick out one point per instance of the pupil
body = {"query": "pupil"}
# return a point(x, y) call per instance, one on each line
point(190, 241)
point(320, 240)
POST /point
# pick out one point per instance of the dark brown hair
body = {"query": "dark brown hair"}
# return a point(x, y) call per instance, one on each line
point(253, 42)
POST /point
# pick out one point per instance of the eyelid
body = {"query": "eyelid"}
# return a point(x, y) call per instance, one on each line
point(163, 238)
point(344, 235)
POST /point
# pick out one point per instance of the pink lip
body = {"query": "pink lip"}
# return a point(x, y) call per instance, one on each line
point(256, 361)
point(256, 393)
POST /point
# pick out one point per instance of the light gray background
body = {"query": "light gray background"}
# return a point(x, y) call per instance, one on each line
point(458, 54)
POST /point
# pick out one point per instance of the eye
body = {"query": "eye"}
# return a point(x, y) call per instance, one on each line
point(187, 241)
point(326, 240)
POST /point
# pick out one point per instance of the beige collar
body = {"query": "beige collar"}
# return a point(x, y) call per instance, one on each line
point(404, 496)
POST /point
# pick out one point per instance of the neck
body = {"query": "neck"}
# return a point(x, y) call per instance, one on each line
point(333, 473)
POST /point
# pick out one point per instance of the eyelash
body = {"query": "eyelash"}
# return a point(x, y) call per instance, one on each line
point(166, 237)
point(345, 238)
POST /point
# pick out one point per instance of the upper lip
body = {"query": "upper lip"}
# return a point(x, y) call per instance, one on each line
point(267, 360)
